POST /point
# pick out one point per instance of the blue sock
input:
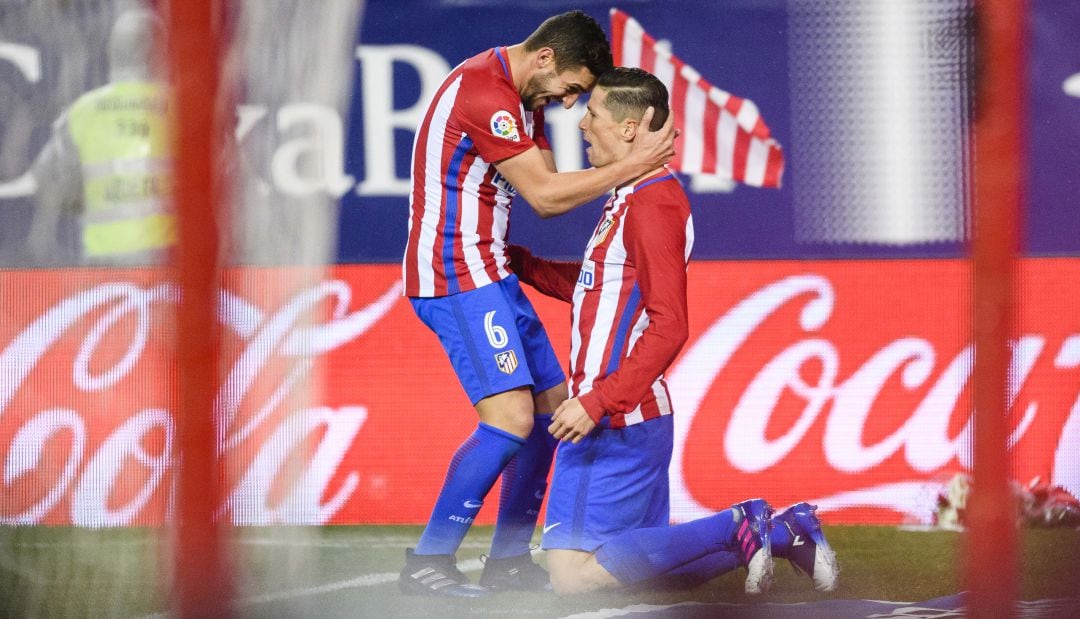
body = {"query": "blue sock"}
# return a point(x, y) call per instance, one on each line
point(643, 554)
point(524, 481)
point(473, 470)
point(697, 572)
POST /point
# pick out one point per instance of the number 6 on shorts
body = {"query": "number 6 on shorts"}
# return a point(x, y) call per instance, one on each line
point(496, 335)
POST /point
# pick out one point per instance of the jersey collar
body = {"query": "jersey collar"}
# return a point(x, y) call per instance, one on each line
point(504, 60)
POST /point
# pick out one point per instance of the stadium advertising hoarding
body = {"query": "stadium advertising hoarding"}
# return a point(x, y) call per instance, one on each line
point(845, 382)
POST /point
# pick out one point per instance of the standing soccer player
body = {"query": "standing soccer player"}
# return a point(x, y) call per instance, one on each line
point(480, 143)
point(608, 514)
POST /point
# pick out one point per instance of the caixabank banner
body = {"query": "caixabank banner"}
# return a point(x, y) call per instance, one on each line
point(846, 383)
point(827, 87)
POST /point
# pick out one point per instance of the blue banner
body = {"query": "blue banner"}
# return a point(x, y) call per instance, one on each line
point(855, 186)
point(764, 50)
point(1053, 196)
point(738, 46)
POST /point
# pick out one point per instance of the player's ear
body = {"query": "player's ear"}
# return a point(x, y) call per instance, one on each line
point(628, 129)
point(545, 58)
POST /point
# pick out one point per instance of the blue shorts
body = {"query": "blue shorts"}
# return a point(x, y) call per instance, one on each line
point(611, 482)
point(494, 339)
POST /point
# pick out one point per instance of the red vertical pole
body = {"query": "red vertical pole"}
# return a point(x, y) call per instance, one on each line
point(998, 176)
point(202, 586)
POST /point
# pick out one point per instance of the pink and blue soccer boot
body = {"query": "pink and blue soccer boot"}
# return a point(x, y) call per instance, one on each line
point(752, 538)
point(797, 537)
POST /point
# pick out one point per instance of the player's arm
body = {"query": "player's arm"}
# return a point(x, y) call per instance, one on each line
point(540, 138)
point(656, 242)
point(549, 159)
point(551, 277)
point(551, 193)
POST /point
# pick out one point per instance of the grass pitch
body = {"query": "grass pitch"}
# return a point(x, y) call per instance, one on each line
point(352, 572)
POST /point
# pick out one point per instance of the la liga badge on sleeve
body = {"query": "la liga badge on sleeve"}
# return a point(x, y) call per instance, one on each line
point(504, 126)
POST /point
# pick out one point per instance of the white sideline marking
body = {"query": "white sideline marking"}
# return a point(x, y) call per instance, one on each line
point(1053, 607)
point(355, 543)
point(605, 613)
point(84, 543)
point(368, 580)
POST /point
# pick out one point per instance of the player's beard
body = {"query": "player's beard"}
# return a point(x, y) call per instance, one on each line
point(536, 84)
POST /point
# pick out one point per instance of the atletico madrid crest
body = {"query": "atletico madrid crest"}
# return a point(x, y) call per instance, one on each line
point(507, 361)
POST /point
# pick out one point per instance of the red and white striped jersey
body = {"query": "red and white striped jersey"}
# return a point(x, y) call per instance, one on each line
point(459, 209)
point(629, 300)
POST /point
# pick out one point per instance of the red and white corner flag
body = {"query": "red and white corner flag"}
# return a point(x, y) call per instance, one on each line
point(721, 134)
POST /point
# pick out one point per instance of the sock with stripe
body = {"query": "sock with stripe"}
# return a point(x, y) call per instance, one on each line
point(697, 572)
point(524, 482)
point(473, 470)
point(644, 554)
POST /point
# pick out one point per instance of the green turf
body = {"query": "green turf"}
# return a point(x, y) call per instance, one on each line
point(349, 572)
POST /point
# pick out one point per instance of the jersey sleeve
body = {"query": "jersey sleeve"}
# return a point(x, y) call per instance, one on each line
point(656, 241)
point(552, 278)
point(491, 117)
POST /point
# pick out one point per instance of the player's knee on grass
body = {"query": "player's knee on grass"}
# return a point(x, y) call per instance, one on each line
point(574, 572)
point(510, 411)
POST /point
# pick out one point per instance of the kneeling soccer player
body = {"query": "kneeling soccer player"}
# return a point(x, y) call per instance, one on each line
point(607, 522)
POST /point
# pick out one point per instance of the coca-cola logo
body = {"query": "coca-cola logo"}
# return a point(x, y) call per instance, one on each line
point(53, 443)
point(844, 405)
point(793, 385)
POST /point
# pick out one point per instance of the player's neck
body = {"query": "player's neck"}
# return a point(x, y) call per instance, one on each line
point(519, 61)
point(654, 172)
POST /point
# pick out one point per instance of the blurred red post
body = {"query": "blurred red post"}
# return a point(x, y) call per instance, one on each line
point(992, 573)
point(202, 585)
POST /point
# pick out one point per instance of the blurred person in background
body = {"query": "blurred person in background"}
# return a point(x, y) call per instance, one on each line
point(482, 142)
point(107, 162)
point(607, 521)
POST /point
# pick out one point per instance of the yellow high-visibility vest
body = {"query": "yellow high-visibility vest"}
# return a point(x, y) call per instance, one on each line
point(121, 134)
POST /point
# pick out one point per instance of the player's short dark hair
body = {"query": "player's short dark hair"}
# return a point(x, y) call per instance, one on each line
point(630, 91)
point(578, 41)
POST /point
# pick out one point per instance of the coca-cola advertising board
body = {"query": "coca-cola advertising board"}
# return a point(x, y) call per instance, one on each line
point(846, 383)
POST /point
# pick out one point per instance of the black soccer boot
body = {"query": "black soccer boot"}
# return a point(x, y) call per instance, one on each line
point(514, 574)
point(436, 575)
